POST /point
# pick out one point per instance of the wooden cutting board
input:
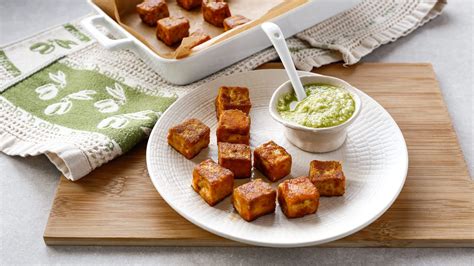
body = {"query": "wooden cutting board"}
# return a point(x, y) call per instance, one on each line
point(118, 205)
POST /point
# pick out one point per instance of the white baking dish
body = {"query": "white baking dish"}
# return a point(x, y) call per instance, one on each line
point(220, 55)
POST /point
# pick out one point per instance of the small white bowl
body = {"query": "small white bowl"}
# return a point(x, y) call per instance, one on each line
point(315, 139)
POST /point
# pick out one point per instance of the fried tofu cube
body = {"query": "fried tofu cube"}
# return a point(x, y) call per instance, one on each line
point(150, 11)
point(298, 197)
point(199, 37)
point(254, 199)
point(189, 4)
point(233, 127)
point(215, 11)
point(189, 137)
point(232, 98)
point(212, 181)
point(234, 22)
point(328, 177)
point(196, 38)
point(236, 157)
point(272, 160)
point(172, 30)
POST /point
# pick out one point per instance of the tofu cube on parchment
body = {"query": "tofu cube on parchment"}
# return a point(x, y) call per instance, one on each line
point(298, 197)
point(233, 127)
point(212, 181)
point(234, 22)
point(150, 11)
point(272, 160)
point(194, 39)
point(189, 137)
point(254, 199)
point(328, 177)
point(215, 11)
point(172, 30)
point(189, 4)
point(199, 37)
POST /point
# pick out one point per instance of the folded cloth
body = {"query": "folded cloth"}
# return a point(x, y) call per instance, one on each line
point(65, 96)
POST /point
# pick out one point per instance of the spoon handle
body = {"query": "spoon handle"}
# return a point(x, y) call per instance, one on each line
point(278, 40)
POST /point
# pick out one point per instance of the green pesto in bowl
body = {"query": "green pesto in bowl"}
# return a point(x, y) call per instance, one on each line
point(325, 106)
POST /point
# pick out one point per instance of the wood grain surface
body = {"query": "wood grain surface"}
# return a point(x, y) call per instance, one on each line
point(118, 205)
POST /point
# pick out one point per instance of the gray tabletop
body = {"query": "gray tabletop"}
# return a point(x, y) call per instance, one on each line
point(28, 184)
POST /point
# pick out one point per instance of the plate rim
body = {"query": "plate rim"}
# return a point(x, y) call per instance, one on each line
point(357, 228)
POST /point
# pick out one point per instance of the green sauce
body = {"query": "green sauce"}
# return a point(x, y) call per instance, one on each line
point(324, 106)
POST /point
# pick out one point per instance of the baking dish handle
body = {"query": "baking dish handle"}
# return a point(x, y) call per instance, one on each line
point(89, 25)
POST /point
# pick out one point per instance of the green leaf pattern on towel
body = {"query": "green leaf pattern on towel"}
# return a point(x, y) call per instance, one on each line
point(112, 105)
point(50, 90)
point(50, 45)
point(66, 103)
point(8, 65)
point(76, 32)
point(120, 121)
point(90, 101)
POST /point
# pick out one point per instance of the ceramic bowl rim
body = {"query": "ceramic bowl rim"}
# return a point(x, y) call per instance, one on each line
point(312, 78)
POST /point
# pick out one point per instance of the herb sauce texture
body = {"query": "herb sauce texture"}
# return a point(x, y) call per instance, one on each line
point(325, 106)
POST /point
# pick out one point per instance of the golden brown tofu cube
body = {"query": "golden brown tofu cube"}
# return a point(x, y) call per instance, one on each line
point(233, 127)
point(212, 181)
point(150, 11)
point(172, 30)
point(234, 21)
point(254, 199)
point(232, 98)
point(189, 137)
point(272, 160)
point(298, 197)
point(199, 37)
point(328, 177)
point(237, 158)
point(215, 11)
point(196, 38)
point(189, 4)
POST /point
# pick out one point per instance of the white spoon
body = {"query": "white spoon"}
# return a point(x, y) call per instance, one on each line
point(278, 40)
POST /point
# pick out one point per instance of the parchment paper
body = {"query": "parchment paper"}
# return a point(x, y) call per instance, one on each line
point(124, 12)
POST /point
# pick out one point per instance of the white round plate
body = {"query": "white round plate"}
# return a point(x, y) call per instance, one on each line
point(374, 156)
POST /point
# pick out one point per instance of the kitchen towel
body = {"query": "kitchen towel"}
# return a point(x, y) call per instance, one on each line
point(65, 96)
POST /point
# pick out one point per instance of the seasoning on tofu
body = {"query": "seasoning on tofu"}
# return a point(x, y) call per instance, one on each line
point(272, 160)
point(298, 197)
point(232, 98)
point(189, 4)
point(172, 30)
point(254, 199)
point(328, 177)
point(215, 11)
point(236, 157)
point(233, 127)
point(234, 21)
point(150, 11)
point(212, 181)
point(189, 137)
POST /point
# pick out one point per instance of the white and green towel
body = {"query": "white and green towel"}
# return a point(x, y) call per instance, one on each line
point(64, 96)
